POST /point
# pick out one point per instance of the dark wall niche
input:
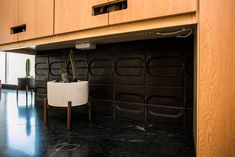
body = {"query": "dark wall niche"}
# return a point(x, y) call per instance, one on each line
point(147, 81)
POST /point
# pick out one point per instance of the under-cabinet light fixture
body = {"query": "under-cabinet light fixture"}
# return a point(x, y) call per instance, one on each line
point(85, 46)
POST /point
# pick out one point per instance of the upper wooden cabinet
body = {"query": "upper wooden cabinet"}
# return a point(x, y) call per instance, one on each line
point(37, 15)
point(73, 15)
point(142, 9)
point(25, 19)
point(8, 18)
point(30, 19)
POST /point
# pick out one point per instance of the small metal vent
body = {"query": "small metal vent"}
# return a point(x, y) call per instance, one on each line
point(109, 7)
point(18, 29)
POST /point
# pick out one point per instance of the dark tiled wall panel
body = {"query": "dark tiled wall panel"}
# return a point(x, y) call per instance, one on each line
point(42, 76)
point(102, 99)
point(41, 68)
point(130, 67)
point(55, 63)
point(148, 81)
point(81, 66)
point(101, 67)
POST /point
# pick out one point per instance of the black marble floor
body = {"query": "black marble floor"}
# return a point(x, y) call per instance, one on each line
point(22, 134)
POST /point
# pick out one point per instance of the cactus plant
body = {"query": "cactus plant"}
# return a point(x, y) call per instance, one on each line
point(73, 65)
point(63, 70)
point(64, 74)
point(27, 68)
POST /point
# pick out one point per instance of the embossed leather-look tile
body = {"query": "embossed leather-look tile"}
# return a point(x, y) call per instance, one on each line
point(147, 81)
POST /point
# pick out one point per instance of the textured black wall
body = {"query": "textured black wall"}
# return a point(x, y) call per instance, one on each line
point(147, 81)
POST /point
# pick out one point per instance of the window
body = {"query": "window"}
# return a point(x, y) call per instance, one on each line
point(2, 66)
point(12, 66)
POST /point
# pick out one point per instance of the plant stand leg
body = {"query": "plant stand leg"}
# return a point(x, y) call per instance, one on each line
point(69, 115)
point(89, 109)
point(45, 111)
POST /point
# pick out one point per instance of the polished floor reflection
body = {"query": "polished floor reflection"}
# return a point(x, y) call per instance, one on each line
point(22, 134)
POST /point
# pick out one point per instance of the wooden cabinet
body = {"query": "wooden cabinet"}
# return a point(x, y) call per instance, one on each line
point(8, 18)
point(141, 9)
point(37, 15)
point(73, 15)
point(216, 77)
point(48, 17)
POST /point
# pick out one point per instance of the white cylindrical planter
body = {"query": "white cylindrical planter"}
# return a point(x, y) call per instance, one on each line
point(59, 93)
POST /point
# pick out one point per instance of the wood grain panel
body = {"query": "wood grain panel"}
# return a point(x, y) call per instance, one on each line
point(232, 81)
point(165, 22)
point(140, 9)
point(38, 17)
point(8, 19)
point(216, 79)
point(73, 15)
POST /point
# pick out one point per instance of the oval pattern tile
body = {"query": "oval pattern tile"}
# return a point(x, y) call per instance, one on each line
point(130, 67)
point(41, 65)
point(165, 66)
point(164, 101)
point(130, 97)
point(101, 67)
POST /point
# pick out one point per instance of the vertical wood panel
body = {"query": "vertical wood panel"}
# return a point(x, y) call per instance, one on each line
point(73, 15)
point(216, 79)
point(232, 104)
point(141, 9)
point(8, 19)
point(38, 17)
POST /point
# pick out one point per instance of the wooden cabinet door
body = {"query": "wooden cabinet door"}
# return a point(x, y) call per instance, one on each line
point(73, 15)
point(37, 15)
point(8, 19)
point(143, 9)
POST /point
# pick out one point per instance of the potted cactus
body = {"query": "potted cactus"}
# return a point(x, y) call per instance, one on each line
point(73, 65)
point(67, 93)
point(64, 73)
point(27, 82)
point(27, 68)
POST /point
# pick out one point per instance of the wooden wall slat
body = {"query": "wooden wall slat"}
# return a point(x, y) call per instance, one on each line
point(216, 79)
